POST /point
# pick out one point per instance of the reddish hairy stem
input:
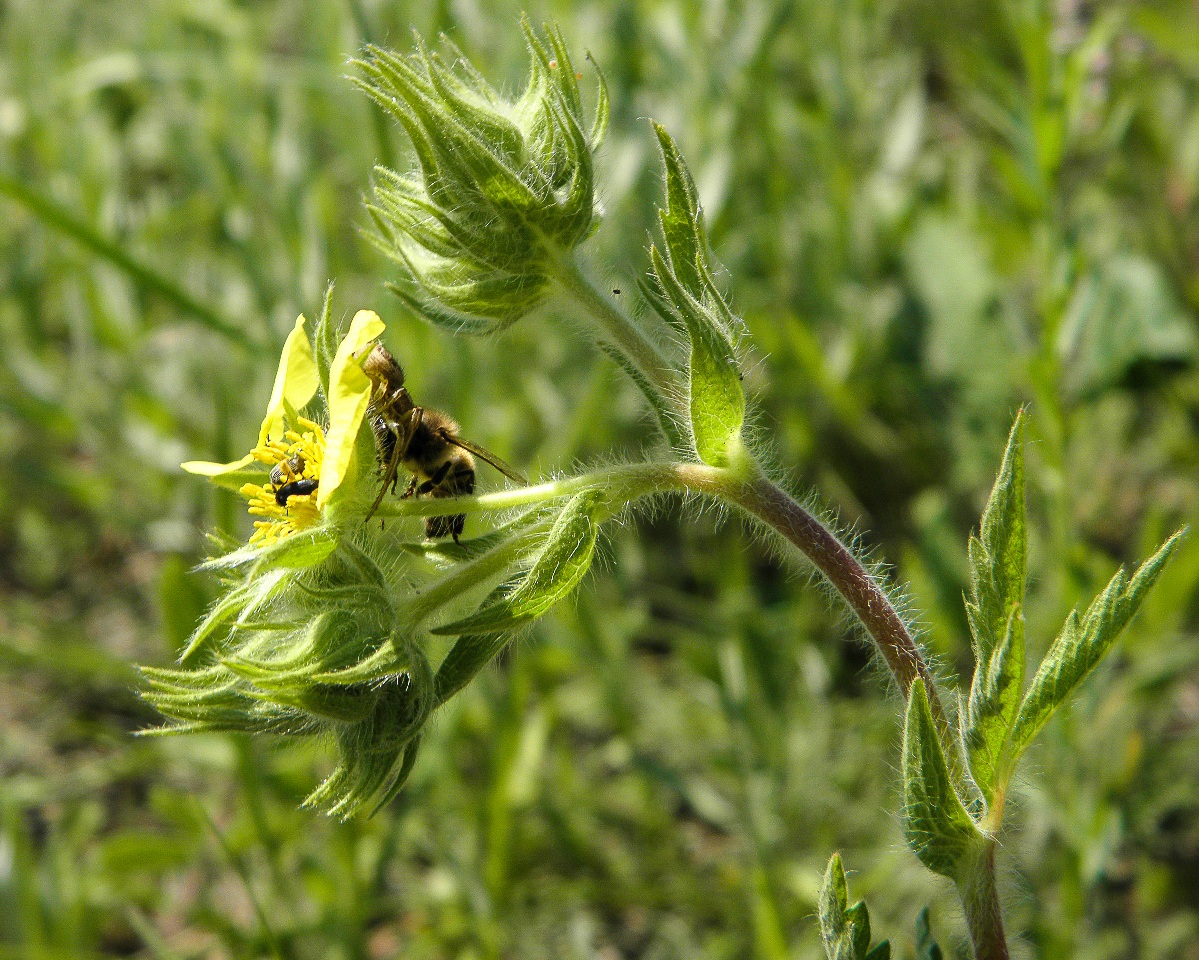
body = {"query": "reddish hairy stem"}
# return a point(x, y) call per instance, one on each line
point(849, 578)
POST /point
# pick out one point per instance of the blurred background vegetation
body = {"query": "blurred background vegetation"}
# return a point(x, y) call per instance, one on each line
point(930, 214)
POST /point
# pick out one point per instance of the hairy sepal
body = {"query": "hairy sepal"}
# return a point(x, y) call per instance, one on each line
point(235, 606)
point(304, 549)
point(569, 550)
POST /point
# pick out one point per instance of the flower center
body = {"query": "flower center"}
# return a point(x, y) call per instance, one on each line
point(287, 503)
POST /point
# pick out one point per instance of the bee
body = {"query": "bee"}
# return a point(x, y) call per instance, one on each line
point(287, 481)
point(425, 442)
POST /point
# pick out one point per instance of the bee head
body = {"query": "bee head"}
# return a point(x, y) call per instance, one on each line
point(383, 368)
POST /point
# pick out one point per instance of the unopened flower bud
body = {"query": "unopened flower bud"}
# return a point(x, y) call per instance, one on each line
point(503, 188)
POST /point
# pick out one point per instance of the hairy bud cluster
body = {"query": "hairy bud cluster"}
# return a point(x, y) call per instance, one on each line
point(503, 188)
point(314, 650)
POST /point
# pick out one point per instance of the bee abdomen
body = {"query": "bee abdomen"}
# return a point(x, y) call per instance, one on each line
point(459, 482)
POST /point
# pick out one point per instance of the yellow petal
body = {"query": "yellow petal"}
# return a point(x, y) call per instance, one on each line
point(349, 394)
point(204, 468)
point(295, 381)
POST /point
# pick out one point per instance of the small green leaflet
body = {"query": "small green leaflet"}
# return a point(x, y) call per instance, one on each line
point(682, 220)
point(570, 547)
point(1083, 643)
point(717, 404)
point(689, 300)
point(935, 824)
point(845, 929)
point(991, 710)
point(995, 613)
point(997, 554)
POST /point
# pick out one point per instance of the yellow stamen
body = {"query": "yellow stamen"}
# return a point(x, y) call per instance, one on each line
point(303, 446)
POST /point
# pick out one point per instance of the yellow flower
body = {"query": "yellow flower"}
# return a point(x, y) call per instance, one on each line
point(296, 381)
point(349, 393)
point(298, 450)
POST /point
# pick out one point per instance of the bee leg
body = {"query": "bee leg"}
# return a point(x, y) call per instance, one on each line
point(403, 431)
point(409, 425)
point(389, 477)
point(434, 481)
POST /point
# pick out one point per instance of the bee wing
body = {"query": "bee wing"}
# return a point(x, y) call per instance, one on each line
point(484, 454)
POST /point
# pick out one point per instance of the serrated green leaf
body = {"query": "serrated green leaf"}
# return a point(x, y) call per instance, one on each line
point(994, 699)
point(1082, 644)
point(998, 558)
point(845, 930)
point(689, 300)
point(935, 823)
point(570, 547)
point(997, 554)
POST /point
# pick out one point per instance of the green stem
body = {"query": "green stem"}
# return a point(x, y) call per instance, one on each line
point(616, 328)
point(466, 576)
point(980, 902)
point(621, 483)
point(761, 499)
point(62, 220)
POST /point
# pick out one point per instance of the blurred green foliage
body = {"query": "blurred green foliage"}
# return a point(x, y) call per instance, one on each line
point(930, 214)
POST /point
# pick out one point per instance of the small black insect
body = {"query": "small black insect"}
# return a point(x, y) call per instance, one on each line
point(297, 488)
point(287, 482)
point(286, 470)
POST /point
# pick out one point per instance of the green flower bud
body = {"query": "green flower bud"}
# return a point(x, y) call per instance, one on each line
point(503, 189)
point(316, 651)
